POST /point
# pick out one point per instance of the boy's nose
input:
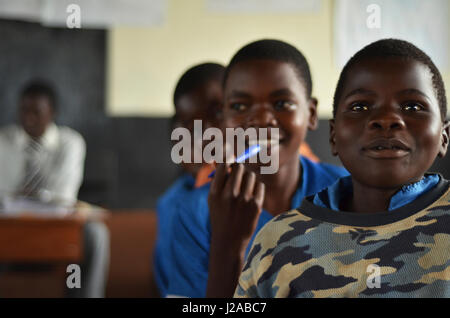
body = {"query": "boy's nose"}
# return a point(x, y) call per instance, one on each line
point(262, 116)
point(386, 118)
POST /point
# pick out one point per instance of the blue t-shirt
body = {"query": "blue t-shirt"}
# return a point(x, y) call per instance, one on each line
point(188, 249)
point(165, 209)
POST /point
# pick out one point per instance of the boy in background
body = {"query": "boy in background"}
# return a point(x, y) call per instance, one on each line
point(197, 96)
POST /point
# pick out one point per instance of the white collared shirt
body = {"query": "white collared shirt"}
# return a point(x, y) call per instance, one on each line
point(62, 163)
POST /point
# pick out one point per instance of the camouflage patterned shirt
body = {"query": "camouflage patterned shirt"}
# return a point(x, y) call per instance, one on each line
point(317, 252)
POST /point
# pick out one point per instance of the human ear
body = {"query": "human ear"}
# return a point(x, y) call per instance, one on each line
point(333, 137)
point(444, 139)
point(312, 124)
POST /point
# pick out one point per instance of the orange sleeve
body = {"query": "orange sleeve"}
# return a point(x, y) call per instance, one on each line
point(202, 175)
point(307, 152)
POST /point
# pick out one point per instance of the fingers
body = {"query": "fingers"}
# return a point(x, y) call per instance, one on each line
point(220, 178)
point(233, 185)
point(238, 183)
point(248, 185)
point(260, 192)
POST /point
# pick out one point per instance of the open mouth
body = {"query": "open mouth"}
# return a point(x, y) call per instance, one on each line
point(387, 149)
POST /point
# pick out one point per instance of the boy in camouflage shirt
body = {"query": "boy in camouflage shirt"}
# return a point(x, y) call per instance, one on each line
point(384, 231)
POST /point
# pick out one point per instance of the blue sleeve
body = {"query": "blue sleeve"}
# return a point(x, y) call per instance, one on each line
point(188, 250)
point(161, 260)
point(166, 207)
point(157, 266)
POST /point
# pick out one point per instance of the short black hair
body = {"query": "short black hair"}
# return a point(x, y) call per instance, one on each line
point(38, 88)
point(269, 49)
point(394, 48)
point(196, 76)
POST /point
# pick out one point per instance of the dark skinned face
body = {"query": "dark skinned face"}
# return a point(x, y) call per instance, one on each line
point(388, 129)
point(203, 103)
point(269, 94)
point(35, 114)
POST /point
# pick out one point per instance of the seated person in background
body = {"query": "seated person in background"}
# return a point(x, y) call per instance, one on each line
point(45, 162)
point(267, 85)
point(39, 159)
point(383, 231)
point(197, 96)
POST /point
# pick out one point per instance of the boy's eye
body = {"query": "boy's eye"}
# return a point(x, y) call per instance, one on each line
point(284, 105)
point(359, 107)
point(413, 107)
point(238, 106)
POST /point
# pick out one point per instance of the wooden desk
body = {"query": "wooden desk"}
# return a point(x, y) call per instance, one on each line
point(48, 240)
point(132, 239)
point(133, 235)
point(42, 239)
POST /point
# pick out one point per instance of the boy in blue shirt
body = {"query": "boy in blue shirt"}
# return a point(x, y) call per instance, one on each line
point(267, 85)
point(383, 231)
point(197, 96)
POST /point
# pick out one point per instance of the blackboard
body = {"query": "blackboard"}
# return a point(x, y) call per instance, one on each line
point(72, 59)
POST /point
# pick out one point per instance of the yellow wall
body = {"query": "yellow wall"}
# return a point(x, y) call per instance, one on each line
point(145, 63)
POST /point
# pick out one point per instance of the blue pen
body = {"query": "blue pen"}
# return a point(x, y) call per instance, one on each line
point(250, 152)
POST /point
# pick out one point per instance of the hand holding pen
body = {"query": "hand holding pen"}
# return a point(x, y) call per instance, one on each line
point(250, 152)
point(235, 203)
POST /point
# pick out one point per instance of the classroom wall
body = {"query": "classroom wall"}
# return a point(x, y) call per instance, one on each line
point(145, 63)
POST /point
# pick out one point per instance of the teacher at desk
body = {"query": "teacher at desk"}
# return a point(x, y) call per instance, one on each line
point(45, 162)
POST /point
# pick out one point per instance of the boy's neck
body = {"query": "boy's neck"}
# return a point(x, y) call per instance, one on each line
point(367, 199)
point(281, 187)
